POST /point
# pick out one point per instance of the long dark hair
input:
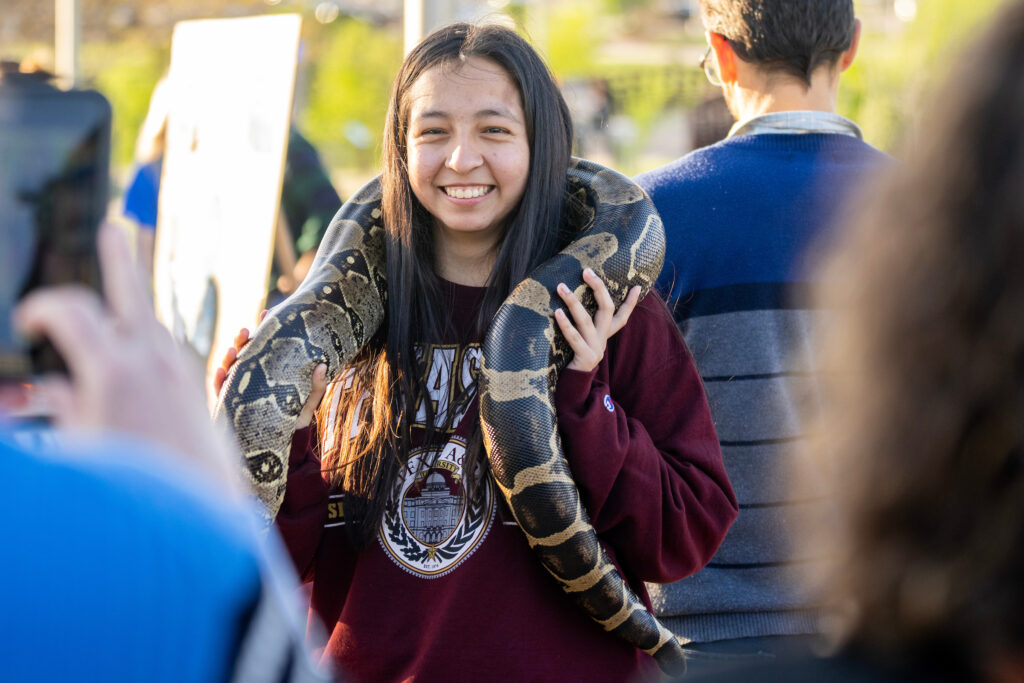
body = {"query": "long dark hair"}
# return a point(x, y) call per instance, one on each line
point(365, 462)
point(923, 423)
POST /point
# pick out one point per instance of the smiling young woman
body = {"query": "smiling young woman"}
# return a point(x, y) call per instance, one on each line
point(418, 570)
point(469, 156)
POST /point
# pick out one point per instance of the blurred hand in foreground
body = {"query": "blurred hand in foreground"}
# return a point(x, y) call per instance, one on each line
point(125, 372)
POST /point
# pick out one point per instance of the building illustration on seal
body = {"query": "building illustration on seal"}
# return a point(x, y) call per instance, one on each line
point(433, 506)
point(431, 525)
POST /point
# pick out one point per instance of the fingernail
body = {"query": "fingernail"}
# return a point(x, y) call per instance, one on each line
point(588, 271)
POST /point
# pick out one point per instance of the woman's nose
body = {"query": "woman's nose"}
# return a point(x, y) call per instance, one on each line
point(464, 156)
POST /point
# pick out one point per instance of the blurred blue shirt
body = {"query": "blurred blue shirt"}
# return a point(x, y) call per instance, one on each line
point(121, 564)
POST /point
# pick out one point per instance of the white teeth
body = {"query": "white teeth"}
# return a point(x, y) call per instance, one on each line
point(467, 192)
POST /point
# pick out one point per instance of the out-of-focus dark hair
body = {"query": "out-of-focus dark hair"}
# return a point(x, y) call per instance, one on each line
point(923, 415)
point(791, 36)
point(367, 464)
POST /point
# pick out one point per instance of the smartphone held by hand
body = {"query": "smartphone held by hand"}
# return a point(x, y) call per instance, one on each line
point(54, 185)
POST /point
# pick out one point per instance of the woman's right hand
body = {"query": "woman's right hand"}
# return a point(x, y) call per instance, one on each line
point(315, 395)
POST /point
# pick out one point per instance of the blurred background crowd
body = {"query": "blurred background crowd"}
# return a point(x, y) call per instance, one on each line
point(629, 68)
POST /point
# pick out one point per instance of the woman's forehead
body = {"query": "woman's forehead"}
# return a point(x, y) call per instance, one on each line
point(458, 84)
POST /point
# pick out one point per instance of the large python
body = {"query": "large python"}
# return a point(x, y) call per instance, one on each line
point(340, 306)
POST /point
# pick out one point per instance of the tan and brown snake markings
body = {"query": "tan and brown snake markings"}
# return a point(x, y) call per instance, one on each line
point(340, 306)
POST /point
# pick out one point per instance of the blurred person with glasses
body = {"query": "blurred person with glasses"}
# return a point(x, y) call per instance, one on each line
point(738, 215)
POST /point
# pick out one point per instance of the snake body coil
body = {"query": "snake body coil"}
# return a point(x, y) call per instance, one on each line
point(340, 306)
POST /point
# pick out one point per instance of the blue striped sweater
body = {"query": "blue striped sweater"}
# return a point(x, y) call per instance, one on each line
point(739, 216)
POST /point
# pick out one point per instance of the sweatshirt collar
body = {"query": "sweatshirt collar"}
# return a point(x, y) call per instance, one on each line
point(796, 122)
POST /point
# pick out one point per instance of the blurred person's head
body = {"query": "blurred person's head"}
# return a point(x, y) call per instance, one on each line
point(923, 415)
point(766, 45)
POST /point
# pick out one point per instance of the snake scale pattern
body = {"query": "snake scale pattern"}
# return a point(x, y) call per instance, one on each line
point(340, 306)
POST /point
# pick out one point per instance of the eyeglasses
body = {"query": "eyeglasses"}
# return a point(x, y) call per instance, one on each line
point(710, 66)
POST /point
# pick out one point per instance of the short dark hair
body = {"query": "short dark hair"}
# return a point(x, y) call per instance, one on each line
point(790, 36)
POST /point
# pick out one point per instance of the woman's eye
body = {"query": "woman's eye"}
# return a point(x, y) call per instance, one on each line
point(432, 131)
point(496, 130)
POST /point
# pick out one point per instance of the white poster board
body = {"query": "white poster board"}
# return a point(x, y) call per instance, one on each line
point(231, 84)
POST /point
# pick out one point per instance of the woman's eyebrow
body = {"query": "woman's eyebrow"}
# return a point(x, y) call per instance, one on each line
point(432, 114)
point(503, 113)
point(482, 114)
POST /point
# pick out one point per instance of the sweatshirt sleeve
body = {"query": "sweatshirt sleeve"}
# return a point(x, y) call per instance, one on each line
point(303, 512)
point(639, 439)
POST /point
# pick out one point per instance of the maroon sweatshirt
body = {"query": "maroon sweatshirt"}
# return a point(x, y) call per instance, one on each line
point(451, 591)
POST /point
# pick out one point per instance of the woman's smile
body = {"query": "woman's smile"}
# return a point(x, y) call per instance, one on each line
point(467, 192)
point(468, 150)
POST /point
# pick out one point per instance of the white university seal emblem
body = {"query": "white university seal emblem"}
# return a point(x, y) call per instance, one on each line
point(429, 527)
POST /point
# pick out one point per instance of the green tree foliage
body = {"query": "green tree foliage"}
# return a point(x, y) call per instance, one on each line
point(126, 74)
point(883, 90)
point(349, 90)
point(622, 6)
point(573, 32)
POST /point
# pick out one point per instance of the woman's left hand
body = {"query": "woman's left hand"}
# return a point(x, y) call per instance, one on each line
point(589, 336)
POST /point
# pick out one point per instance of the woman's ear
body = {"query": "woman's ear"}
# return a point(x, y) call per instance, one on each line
point(725, 57)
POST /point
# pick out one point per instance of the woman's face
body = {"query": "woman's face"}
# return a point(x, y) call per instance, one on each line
point(468, 152)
